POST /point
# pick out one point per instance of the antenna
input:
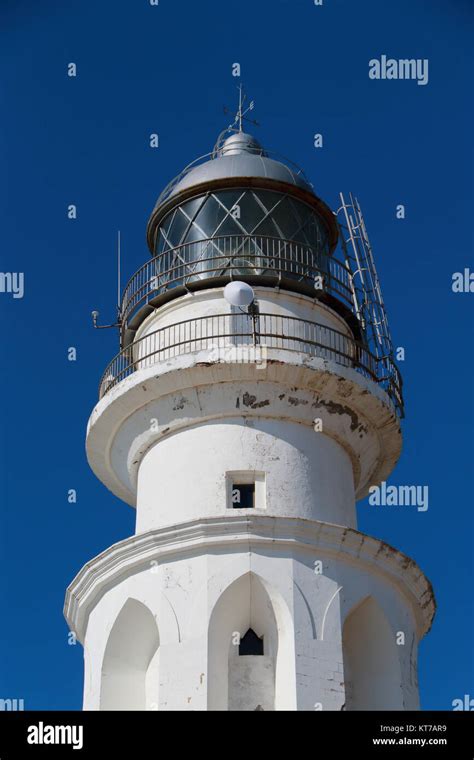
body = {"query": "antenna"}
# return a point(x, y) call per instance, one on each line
point(119, 256)
point(95, 313)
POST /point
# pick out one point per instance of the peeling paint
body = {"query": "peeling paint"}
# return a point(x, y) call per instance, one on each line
point(333, 408)
point(297, 401)
point(251, 401)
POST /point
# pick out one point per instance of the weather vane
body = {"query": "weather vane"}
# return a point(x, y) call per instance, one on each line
point(242, 112)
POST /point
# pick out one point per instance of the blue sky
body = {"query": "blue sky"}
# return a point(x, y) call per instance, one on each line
point(167, 69)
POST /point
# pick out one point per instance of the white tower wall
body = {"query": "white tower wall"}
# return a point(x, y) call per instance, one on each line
point(294, 569)
point(211, 580)
point(194, 469)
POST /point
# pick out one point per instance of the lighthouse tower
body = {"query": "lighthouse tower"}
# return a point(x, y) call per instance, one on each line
point(253, 402)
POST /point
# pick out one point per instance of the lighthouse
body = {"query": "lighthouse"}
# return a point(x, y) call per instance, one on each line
point(254, 401)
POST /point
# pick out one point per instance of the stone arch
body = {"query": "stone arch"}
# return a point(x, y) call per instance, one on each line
point(372, 672)
point(129, 676)
point(250, 682)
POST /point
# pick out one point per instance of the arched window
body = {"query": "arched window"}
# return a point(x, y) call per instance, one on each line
point(251, 648)
point(372, 673)
point(130, 664)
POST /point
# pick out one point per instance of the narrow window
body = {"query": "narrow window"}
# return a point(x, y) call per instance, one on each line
point(243, 495)
point(246, 489)
point(251, 644)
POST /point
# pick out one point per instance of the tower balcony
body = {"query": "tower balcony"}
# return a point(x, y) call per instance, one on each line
point(242, 338)
point(256, 259)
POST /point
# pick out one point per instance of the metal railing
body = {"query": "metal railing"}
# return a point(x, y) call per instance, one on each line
point(235, 255)
point(267, 331)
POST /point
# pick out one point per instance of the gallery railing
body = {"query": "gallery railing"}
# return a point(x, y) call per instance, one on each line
point(236, 256)
point(243, 338)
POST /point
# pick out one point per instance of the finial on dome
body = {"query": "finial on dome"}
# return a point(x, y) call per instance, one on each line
point(240, 142)
point(241, 115)
point(234, 133)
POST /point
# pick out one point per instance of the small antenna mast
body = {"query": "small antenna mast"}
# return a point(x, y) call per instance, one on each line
point(95, 313)
point(119, 262)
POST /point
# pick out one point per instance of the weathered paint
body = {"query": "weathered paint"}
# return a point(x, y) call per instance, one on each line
point(169, 440)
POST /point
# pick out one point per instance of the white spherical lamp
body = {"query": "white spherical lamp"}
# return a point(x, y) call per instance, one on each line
point(239, 294)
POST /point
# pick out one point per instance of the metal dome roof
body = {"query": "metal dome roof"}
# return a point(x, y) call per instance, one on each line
point(241, 165)
point(240, 155)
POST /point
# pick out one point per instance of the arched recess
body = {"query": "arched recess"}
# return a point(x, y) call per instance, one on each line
point(129, 679)
point(372, 673)
point(257, 681)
